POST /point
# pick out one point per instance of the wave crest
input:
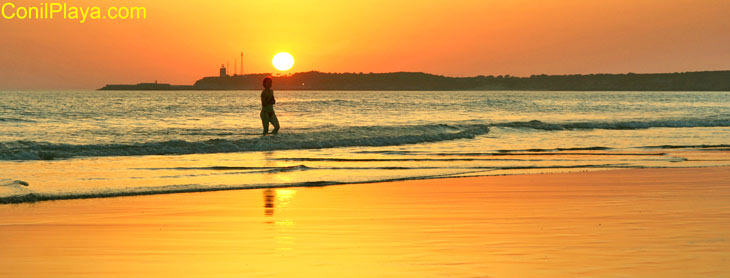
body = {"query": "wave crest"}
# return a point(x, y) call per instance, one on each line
point(328, 137)
point(15, 120)
point(621, 125)
point(343, 137)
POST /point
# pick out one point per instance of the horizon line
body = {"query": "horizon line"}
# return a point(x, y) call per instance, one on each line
point(272, 74)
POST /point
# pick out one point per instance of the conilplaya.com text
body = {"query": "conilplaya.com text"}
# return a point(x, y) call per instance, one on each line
point(60, 10)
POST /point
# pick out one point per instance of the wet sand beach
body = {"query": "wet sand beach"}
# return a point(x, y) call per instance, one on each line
point(617, 223)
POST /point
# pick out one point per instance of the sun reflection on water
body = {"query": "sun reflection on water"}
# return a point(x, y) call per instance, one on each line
point(280, 199)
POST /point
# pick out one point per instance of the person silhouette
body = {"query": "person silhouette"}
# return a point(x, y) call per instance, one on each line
point(267, 108)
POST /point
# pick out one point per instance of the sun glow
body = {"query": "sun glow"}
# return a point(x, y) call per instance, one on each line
point(283, 61)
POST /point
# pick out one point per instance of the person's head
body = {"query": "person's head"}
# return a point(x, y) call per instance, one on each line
point(267, 82)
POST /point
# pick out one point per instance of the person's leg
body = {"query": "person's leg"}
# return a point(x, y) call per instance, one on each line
point(265, 121)
point(275, 122)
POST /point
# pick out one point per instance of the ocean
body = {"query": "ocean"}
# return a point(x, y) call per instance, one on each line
point(89, 144)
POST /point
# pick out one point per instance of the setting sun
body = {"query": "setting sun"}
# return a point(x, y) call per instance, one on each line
point(283, 61)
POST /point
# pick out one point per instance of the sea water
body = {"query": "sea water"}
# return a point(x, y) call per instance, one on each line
point(82, 144)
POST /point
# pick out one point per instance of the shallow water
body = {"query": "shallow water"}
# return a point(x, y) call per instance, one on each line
point(79, 144)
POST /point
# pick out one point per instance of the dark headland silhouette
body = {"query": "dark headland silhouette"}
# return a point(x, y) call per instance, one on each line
point(405, 81)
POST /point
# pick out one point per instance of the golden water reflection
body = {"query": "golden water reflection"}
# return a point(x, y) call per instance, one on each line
point(647, 223)
point(281, 198)
point(283, 234)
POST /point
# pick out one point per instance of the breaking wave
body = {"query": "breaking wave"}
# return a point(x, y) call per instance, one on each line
point(326, 138)
point(342, 137)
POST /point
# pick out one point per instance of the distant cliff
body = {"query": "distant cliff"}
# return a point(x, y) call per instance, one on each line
point(686, 81)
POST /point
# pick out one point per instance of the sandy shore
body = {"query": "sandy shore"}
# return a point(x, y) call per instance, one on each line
point(622, 223)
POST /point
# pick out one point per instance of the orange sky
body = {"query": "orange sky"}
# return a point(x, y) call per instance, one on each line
point(181, 41)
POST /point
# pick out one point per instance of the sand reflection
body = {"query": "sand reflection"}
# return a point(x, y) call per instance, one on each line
point(269, 202)
point(277, 198)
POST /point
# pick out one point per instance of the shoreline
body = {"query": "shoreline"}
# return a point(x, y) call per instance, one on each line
point(32, 198)
point(655, 222)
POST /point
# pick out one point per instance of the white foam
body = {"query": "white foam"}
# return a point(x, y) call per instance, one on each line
point(343, 137)
point(325, 138)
